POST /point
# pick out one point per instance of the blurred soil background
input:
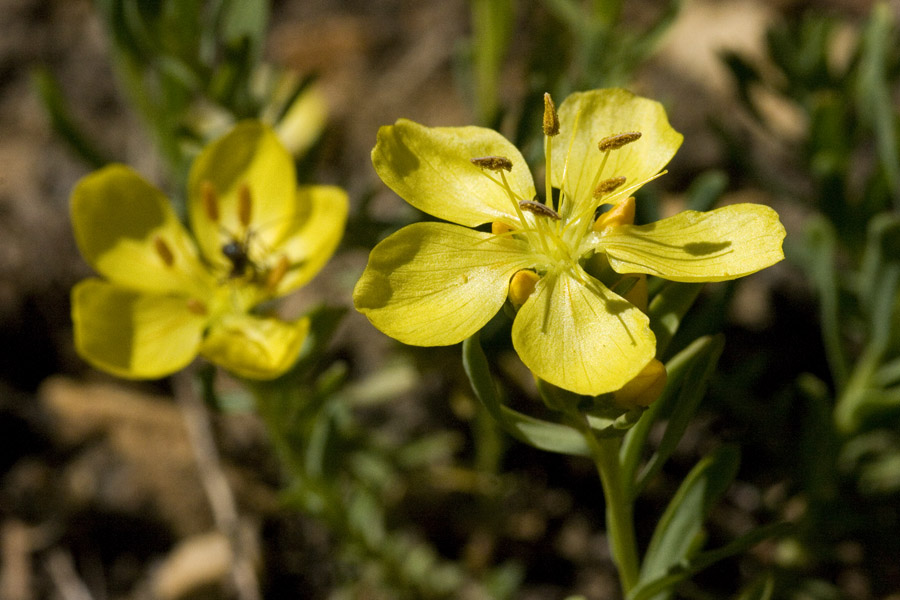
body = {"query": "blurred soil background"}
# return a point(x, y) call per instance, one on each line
point(100, 495)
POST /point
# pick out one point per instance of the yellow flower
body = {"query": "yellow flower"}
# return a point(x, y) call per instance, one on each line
point(168, 295)
point(434, 284)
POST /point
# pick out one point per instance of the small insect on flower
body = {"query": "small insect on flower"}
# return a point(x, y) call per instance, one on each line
point(166, 294)
point(238, 252)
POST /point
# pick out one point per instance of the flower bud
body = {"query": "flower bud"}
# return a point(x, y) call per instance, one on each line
point(521, 286)
point(620, 214)
point(645, 388)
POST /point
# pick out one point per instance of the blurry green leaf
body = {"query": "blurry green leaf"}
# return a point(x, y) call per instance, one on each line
point(745, 77)
point(763, 588)
point(675, 534)
point(874, 95)
point(862, 398)
point(820, 256)
point(245, 20)
point(815, 467)
point(61, 119)
point(706, 190)
point(492, 24)
point(365, 516)
point(543, 435)
point(681, 407)
point(889, 373)
point(882, 252)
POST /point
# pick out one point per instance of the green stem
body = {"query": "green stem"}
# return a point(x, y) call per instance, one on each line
point(619, 511)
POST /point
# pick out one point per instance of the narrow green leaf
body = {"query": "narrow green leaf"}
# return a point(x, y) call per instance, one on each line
point(667, 309)
point(678, 573)
point(706, 190)
point(541, 434)
point(682, 522)
point(761, 589)
point(681, 409)
point(636, 438)
point(821, 243)
point(874, 94)
point(61, 120)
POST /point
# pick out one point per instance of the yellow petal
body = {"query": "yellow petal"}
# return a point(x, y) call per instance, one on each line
point(588, 117)
point(134, 335)
point(581, 336)
point(435, 284)
point(126, 229)
point(249, 155)
point(726, 243)
point(254, 347)
point(431, 169)
point(316, 229)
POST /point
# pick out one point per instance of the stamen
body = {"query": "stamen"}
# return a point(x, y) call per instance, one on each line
point(198, 307)
point(493, 163)
point(245, 205)
point(551, 118)
point(614, 142)
point(210, 200)
point(277, 274)
point(539, 209)
point(163, 250)
point(608, 185)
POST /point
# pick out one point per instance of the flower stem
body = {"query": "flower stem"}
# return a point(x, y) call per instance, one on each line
point(619, 511)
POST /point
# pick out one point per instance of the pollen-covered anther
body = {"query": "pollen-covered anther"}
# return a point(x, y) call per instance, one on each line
point(645, 388)
point(614, 142)
point(163, 250)
point(620, 214)
point(521, 286)
point(608, 185)
point(493, 163)
point(539, 209)
point(277, 273)
point(500, 228)
point(551, 117)
point(210, 200)
point(198, 307)
point(245, 205)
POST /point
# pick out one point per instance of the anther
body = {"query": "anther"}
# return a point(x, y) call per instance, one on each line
point(277, 273)
point(196, 306)
point(245, 205)
point(617, 141)
point(608, 185)
point(210, 201)
point(165, 253)
point(493, 163)
point(539, 209)
point(551, 117)
point(521, 286)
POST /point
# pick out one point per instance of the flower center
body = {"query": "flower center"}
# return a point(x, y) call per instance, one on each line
point(247, 260)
